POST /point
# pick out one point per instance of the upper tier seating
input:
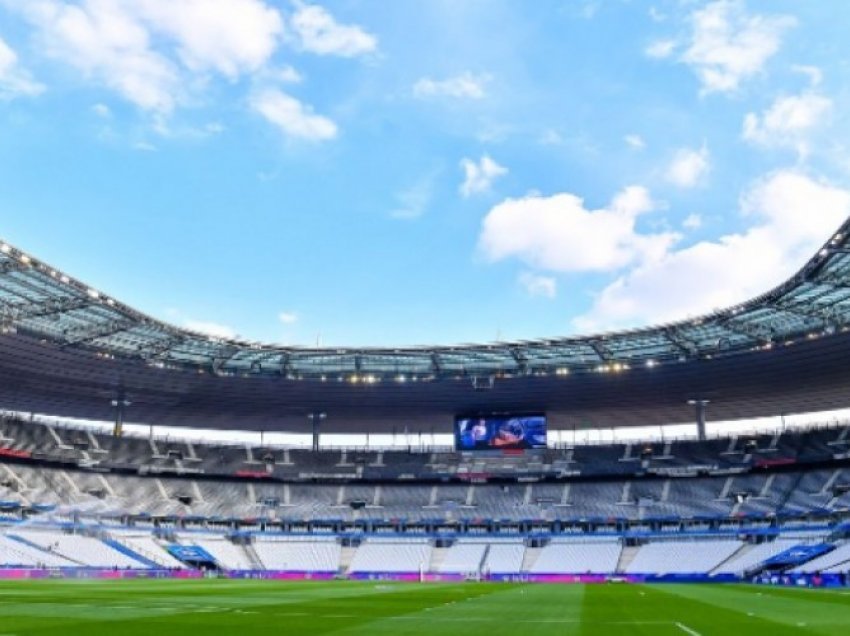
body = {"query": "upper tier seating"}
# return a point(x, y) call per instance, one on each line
point(763, 495)
point(156, 455)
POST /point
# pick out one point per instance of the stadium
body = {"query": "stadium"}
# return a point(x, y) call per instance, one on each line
point(648, 206)
point(501, 506)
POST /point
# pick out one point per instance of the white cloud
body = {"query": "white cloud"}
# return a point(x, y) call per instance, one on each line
point(814, 74)
point(107, 43)
point(318, 32)
point(558, 233)
point(479, 177)
point(729, 45)
point(414, 200)
point(792, 215)
point(660, 49)
point(464, 86)
point(550, 137)
point(635, 141)
point(688, 167)
point(692, 222)
point(144, 146)
point(537, 285)
point(102, 110)
point(227, 36)
point(288, 317)
point(155, 52)
point(292, 117)
point(788, 121)
point(657, 15)
point(15, 81)
point(289, 75)
point(214, 329)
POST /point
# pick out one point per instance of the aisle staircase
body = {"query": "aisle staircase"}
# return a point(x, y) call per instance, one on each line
point(530, 558)
point(35, 546)
point(626, 557)
point(438, 555)
point(735, 555)
point(253, 557)
point(345, 557)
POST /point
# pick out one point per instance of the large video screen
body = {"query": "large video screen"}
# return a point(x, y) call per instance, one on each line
point(495, 432)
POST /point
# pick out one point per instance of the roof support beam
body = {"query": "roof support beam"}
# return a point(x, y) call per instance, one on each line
point(7, 267)
point(600, 350)
point(100, 331)
point(521, 360)
point(436, 365)
point(160, 347)
point(224, 355)
point(50, 307)
point(685, 346)
point(762, 333)
point(285, 363)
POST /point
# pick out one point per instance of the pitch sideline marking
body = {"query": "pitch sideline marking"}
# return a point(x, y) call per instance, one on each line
point(688, 630)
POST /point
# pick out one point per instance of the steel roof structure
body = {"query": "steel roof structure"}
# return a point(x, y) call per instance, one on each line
point(66, 348)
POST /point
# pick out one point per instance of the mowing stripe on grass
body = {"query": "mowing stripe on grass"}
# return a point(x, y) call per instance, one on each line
point(688, 630)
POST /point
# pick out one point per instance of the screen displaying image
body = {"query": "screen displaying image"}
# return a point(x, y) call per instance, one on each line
point(500, 432)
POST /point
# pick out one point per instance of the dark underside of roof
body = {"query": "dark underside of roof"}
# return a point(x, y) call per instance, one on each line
point(43, 377)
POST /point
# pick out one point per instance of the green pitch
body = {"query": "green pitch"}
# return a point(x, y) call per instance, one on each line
point(222, 607)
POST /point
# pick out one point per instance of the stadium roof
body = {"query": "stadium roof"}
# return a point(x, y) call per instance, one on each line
point(40, 300)
point(45, 311)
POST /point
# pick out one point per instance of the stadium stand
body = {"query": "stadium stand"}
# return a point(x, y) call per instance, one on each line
point(17, 553)
point(227, 555)
point(464, 557)
point(147, 548)
point(74, 447)
point(756, 555)
point(298, 554)
point(578, 557)
point(380, 555)
point(504, 558)
point(682, 557)
point(838, 560)
point(83, 550)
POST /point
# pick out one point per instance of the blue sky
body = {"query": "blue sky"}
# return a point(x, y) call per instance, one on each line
point(411, 172)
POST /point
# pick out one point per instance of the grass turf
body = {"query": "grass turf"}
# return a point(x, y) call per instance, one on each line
point(222, 607)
